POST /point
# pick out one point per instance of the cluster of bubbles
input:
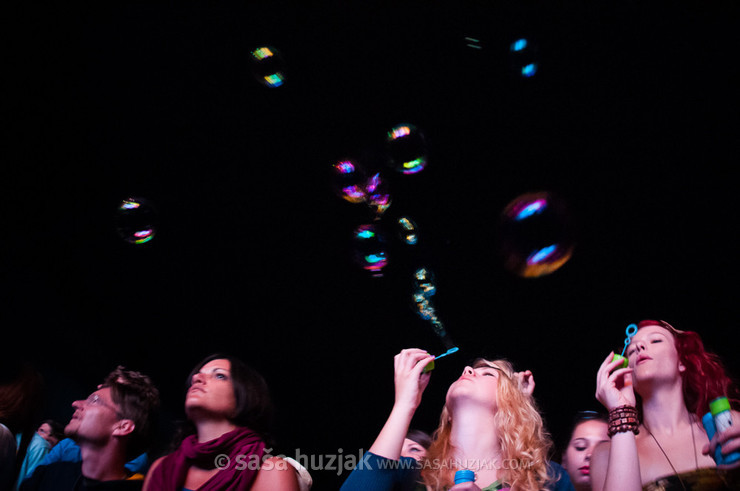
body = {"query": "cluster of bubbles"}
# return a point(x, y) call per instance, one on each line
point(424, 290)
point(403, 152)
point(136, 220)
point(536, 234)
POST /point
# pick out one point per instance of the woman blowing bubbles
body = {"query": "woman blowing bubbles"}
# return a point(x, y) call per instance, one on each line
point(671, 379)
point(489, 425)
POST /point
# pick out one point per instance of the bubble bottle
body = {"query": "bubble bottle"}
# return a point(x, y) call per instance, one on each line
point(464, 475)
point(717, 420)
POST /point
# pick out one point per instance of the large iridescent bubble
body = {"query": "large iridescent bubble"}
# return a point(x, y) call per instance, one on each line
point(267, 66)
point(536, 234)
point(407, 149)
point(136, 220)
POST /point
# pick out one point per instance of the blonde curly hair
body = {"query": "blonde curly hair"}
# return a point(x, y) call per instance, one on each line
point(522, 438)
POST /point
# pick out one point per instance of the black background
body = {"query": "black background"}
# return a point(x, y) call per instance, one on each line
point(632, 119)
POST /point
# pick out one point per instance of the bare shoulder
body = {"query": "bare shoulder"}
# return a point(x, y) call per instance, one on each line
point(276, 474)
point(154, 465)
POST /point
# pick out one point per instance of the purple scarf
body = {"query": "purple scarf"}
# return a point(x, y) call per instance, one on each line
point(243, 446)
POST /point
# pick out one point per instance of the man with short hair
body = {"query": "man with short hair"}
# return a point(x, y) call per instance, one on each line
point(114, 423)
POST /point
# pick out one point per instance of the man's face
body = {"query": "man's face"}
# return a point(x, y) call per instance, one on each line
point(95, 418)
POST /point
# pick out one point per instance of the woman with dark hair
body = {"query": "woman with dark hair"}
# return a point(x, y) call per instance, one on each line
point(588, 430)
point(230, 409)
point(489, 425)
point(655, 409)
point(416, 444)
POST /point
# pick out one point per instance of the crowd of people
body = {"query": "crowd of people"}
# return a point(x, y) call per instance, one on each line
point(649, 433)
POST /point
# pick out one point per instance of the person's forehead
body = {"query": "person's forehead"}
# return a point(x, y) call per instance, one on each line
point(483, 364)
point(648, 330)
point(590, 427)
point(104, 393)
point(218, 364)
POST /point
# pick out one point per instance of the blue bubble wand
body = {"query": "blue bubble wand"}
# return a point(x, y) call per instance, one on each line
point(630, 332)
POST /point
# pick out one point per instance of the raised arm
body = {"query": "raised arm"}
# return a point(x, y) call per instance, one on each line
point(410, 383)
point(615, 466)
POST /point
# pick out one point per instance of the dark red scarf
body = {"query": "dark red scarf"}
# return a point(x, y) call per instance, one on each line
point(243, 446)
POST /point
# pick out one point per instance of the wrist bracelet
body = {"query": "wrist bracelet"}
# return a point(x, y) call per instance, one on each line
point(623, 418)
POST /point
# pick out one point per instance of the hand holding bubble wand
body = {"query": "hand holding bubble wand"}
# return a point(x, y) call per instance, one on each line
point(425, 288)
point(630, 331)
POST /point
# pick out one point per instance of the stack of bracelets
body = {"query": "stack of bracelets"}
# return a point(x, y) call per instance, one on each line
point(623, 418)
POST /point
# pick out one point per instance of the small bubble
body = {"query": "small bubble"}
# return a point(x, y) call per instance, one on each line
point(267, 66)
point(349, 181)
point(353, 183)
point(407, 231)
point(135, 220)
point(378, 197)
point(536, 234)
point(524, 57)
point(407, 149)
point(370, 249)
point(424, 283)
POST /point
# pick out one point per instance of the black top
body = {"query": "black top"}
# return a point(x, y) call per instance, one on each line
point(67, 476)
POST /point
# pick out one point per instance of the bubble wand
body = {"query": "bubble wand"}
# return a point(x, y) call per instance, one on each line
point(630, 331)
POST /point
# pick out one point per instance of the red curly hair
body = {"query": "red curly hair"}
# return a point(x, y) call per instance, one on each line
point(705, 377)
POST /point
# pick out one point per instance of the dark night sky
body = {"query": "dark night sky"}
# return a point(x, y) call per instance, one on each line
point(632, 119)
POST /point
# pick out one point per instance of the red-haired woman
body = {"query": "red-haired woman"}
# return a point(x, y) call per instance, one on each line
point(655, 407)
point(489, 424)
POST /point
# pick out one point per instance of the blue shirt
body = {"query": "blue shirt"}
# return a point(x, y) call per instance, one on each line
point(36, 452)
point(68, 451)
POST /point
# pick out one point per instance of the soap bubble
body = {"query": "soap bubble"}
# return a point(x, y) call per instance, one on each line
point(377, 196)
point(407, 231)
point(536, 234)
point(370, 248)
point(524, 57)
point(424, 283)
point(136, 220)
point(267, 66)
point(353, 183)
point(349, 181)
point(407, 149)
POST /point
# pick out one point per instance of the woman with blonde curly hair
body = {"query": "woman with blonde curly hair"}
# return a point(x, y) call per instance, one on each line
point(489, 425)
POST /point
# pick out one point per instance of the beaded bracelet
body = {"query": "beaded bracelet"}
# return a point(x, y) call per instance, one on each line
point(623, 418)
